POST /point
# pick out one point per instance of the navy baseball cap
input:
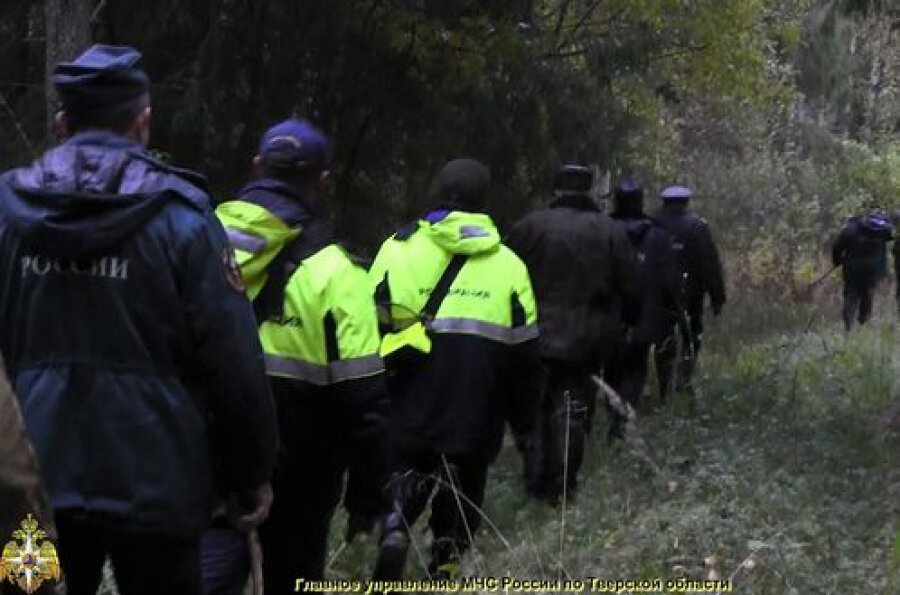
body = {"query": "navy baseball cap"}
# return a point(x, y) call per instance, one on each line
point(104, 76)
point(295, 144)
point(629, 189)
point(676, 193)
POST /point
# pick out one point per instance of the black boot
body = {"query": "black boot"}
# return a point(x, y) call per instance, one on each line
point(392, 550)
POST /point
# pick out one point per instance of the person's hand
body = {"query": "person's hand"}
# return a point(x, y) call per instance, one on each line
point(248, 510)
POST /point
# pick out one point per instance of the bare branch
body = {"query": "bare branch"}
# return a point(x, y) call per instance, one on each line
point(589, 11)
point(24, 135)
point(96, 14)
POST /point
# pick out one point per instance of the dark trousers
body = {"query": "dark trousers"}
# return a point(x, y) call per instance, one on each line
point(295, 536)
point(143, 564)
point(857, 303)
point(626, 374)
point(686, 337)
point(225, 560)
point(307, 486)
point(458, 483)
point(564, 420)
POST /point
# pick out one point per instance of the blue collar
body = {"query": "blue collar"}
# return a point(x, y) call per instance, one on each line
point(437, 215)
point(104, 138)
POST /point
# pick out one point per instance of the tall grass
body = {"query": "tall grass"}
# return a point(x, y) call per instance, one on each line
point(779, 471)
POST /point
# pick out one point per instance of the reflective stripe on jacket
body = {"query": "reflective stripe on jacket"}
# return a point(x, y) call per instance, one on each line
point(328, 329)
point(491, 296)
point(484, 367)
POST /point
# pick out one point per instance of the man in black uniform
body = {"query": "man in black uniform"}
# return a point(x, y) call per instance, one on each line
point(319, 332)
point(129, 341)
point(483, 369)
point(861, 249)
point(657, 287)
point(701, 273)
point(583, 269)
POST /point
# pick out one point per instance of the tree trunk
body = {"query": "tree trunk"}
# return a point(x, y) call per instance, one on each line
point(846, 118)
point(881, 35)
point(68, 30)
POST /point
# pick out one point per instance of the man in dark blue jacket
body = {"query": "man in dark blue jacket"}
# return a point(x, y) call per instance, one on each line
point(657, 288)
point(129, 340)
point(701, 273)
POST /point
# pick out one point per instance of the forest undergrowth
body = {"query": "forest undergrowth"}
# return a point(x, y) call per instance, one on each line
point(780, 472)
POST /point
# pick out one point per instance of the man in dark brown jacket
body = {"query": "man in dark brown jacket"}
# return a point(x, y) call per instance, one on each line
point(21, 492)
point(583, 270)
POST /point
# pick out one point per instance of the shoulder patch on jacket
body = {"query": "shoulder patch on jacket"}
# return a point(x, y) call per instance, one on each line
point(232, 270)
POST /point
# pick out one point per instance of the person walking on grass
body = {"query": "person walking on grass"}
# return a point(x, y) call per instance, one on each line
point(319, 331)
point(129, 340)
point(461, 348)
point(657, 296)
point(861, 250)
point(700, 270)
point(583, 268)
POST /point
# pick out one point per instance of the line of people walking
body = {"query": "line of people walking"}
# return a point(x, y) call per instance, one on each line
point(190, 374)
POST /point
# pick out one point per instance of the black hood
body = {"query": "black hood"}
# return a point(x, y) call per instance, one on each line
point(86, 195)
point(285, 201)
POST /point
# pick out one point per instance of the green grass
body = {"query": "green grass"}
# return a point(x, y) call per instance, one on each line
point(782, 457)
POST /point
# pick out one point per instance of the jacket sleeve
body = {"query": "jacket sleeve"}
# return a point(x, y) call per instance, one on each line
point(841, 246)
point(624, 273)
point(362, 393)
point(667, 270)
point(712, 275)
point(521, 239)
point(228, 364)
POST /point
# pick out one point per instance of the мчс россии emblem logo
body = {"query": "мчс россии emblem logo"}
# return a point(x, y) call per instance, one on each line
point(29, 560)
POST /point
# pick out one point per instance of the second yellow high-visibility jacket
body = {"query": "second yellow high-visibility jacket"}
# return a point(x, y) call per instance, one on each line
point(483, 366)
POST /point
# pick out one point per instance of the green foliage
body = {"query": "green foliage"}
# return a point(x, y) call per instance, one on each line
point(894, 569)
point(403, 86)
point(768, 107)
